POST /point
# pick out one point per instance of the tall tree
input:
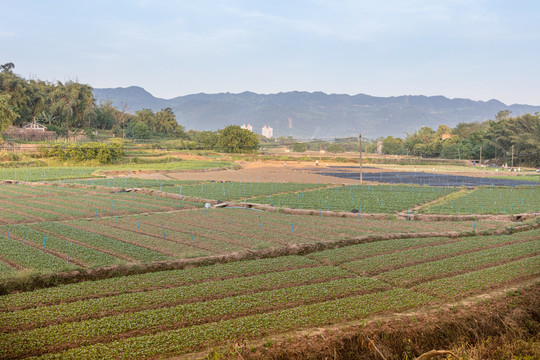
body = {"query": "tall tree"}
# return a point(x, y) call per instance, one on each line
point(147, 117)
point(392, 145)
point(104, 118)
point(7, 66)
point(19, 94)
point(72, 104)
point(7, 115)
point(166, 121)
point(234, 139)
point(523, 133)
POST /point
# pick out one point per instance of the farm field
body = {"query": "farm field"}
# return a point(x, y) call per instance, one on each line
point(78, 172)
point(491, 200)
point(181, 311)
point(23, 203)
point(282, 273)
point(224, 191)
point(132, 182)
point(364, 198)
point(73, 228)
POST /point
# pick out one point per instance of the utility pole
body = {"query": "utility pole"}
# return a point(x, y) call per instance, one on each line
point(480, 156)
point(512, 157)
point(360, 158)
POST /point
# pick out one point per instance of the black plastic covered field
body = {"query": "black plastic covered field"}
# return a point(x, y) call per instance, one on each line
point(422, 178)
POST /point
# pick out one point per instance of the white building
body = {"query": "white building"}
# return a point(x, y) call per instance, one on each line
point(35, 126)
point(248, 126)
point(267, 131)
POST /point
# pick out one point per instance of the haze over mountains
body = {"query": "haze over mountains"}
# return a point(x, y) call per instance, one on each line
point(307, 115)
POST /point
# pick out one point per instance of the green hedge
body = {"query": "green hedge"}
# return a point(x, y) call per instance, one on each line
point(103, 153)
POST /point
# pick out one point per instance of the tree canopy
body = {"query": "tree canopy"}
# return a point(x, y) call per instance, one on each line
point(7, 115)
point(299, 147)
point(234, 139)
point(494, 138)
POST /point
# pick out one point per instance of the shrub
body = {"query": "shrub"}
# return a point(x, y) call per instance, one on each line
point(335, 148)
point(103, 153)
point(299, 147)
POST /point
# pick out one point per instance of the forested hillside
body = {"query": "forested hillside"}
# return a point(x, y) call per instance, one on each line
point(315, 115)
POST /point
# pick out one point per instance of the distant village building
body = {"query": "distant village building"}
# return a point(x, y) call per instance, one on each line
point(446, 136)
point(248, 126)
point(268, 132)
point(379, 147)
point(30, 132)
point(35, 126)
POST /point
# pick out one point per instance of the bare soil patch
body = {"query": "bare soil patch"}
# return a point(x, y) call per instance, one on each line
point(267, 171)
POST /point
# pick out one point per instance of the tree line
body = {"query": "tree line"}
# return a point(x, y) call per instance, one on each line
point(491, 139)
point(71, 106)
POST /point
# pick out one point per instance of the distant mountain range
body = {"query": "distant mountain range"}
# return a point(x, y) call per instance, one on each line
point(307, 115)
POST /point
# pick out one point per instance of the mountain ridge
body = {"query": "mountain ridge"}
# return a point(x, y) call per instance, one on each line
point(304, 114)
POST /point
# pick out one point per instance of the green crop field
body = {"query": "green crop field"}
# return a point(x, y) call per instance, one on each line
point(224, 191)
point(370, 266)
point(491, 200)
point(81, 172)
point(68, 228)
point(365, 198)
point(240, 191)
point(171, 233)
point(133, 182)
point(24, 203)
point(181, 311)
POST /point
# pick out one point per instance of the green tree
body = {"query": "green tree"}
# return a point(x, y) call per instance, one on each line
point(71, 104)
point(450, 150)
point(179, 132)
point(121, 117)
point(234, 139)
point(392, 145)
point(299, 147)
point(7, 66)
point(465, 130)
point(335, 148)
point(207, 140)
point(7, 115)
point(104, 118)
point(146, 117)
point(17, 91)
point(443, 129)
point(523, 133)
point(138, 130)
point(420, 149)
point(427, 134)
point(166, 121)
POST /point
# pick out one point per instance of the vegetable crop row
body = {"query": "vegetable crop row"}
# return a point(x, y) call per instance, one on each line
point(190, 338)
point(466, 262)
point(490, 200)
point(30, 257)
point(399, 259)
point(99, 241)
point(369, 199)
point(156, 280)
point(100, 307)
point(458, 286)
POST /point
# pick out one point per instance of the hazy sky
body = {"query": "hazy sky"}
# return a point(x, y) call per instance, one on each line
point(464, 48)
